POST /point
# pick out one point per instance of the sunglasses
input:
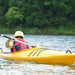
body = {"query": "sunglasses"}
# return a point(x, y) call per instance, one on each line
point(18, 37)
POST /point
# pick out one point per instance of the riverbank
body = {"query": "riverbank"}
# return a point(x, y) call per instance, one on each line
point(40, 31)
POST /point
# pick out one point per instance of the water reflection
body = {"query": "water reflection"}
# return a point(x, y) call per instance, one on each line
point(35, 69)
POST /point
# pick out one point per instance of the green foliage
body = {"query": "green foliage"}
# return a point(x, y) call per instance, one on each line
point(14, 13)
point(37, 14)
point(13, 16)
point(4, 30)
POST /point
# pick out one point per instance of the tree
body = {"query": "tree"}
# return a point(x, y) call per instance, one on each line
point(3, 10)
point(14, 17)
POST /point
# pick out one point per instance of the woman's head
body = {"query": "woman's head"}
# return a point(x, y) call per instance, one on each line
point(19, 34)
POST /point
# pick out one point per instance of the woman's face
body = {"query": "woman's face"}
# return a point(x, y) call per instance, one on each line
point(19, 37)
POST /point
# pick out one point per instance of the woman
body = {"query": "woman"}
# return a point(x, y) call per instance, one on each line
point(18, 44)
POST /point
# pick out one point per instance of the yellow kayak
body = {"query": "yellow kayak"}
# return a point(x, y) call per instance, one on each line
point(40, 55)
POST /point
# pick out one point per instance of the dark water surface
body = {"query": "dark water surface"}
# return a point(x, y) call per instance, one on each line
point(61, 43)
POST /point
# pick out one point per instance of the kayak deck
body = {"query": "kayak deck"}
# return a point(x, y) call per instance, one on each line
point(40, 55)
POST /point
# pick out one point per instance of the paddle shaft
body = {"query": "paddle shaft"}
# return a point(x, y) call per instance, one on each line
point(6, 36)
point(12, 39)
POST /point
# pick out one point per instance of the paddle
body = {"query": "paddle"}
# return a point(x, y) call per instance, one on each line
point(12, 39)
point(17, 40)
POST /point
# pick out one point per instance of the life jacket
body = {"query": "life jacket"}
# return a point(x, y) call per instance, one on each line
point(19, 46)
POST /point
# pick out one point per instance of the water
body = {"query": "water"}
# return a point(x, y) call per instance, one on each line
point(61, 43)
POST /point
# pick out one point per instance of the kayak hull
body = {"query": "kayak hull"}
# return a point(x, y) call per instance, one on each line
point(40, 55)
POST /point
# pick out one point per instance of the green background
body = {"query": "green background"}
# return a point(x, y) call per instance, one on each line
point(50, 17)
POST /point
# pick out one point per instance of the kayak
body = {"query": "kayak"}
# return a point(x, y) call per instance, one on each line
point(41, 55)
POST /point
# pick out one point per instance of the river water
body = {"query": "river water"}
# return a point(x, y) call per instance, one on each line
point(54, 42)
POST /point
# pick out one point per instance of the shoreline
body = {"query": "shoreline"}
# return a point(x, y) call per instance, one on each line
point(37, 31)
